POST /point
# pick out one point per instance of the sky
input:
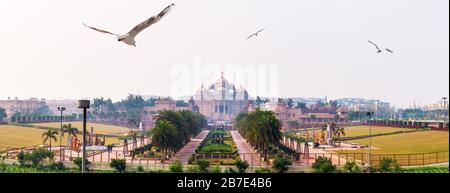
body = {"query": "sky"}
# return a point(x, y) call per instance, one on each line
point(310, 48)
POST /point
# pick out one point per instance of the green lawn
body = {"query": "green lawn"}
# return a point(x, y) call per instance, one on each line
point(440, 169)
point(16, 137)
point(416, 142)
point(364, 130)
point(98, 128)
point(417, 148)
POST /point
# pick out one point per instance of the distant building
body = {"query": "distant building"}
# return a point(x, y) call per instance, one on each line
point(221, 101)
point(13, 106)
point(70, 105)
point(286, 114)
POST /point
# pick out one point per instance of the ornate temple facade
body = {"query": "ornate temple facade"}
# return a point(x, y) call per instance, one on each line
point(221, 101)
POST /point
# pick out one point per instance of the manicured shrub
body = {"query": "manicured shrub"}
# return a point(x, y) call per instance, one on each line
point(351, 167)
point(281, 164)
point(263, 170)
point(216, 169)
point(56, 166)
point(192, 169)
point(176, 167)
point(120, 165)
point(21, 158)
point(140, 169)
point(77, 162)
point(230, 170)
point(389, 165)
point(323, 165)
point(241, 165)
point(203, 165)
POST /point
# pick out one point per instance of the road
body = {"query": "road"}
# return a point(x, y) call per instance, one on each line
point(245, 150)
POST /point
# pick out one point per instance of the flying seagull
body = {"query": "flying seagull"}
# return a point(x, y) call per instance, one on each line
point(255, 34)
point(128, 38)
point(389, 50)
point(378, 48)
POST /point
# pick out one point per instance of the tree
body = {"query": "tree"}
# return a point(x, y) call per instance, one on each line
point(323, 165)
point(290, 103)
point(281, 164)
point(49, 135)
point(71, 131)
point(338, 132)
point(241, 165)
point(261, 128)
point(2, 114)
point(165, 137)
point(302, 106)
point(120, 165)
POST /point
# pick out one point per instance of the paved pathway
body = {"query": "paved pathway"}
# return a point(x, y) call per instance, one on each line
point(190, 148)
point(245, 150)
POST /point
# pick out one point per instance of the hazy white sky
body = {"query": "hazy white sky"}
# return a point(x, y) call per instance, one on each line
point(319, 46)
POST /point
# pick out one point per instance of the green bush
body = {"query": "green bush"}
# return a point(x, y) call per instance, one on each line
point(140, 169)
point(323, 165)
point(21, 158)
point(56, 166)
point(36, 157)
point(281, 164)
point(241, 165)
point(77, 162)
point(176, 167)
point(263, 170)
point(120, 165)
point(231, 171)
point(389, 165)
point(351, 167)
point(216, 169)
point(203, 165)
point(192, 169)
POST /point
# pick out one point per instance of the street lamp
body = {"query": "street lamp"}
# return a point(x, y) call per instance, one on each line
point(61, 109)
point(370, 114)
point(445, 110)
point(84, 104)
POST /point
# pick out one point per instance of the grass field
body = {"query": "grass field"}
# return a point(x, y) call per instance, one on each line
point(98, 128)
point(364, 130)
point(17, 137)
point(423, 147)
point(416, 142)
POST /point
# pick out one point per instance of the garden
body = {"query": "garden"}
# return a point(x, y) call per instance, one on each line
point(218, 148)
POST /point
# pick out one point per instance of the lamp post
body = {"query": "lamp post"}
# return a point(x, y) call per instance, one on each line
point(61, 109)
point(370, 114)
point(445, 109)
point(84, 104)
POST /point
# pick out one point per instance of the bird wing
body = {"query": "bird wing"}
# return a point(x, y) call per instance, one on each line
point(100, 30)
point(152, 20)
point(250, 36)
point(389, 50)
point(374, 44)
point(260, 31)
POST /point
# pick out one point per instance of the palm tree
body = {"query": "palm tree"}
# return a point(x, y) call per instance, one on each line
point(71, 131)
point(338, 132)
point(165, 137)
point(49, 135)
point(265, 129)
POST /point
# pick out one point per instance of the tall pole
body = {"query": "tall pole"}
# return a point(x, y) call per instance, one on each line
point(370, 137)
point(61, 109)
point(445, 109)
point(84, 104)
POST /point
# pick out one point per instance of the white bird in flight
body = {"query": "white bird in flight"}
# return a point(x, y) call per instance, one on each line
point(378, 48)
point(128, 38)
point(255, 34)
